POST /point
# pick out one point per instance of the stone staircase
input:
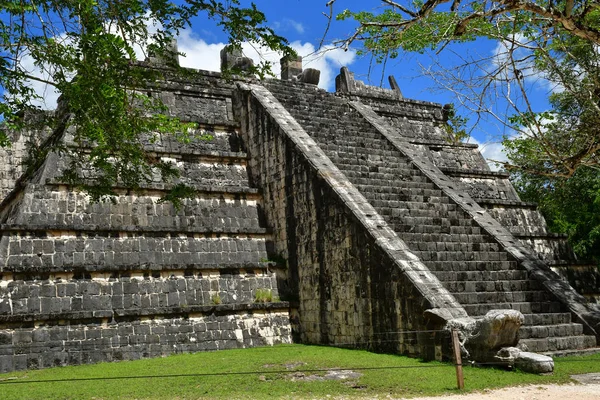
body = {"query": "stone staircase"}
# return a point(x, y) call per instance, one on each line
point(465, 165)
point(469, 262)
point(136, 277)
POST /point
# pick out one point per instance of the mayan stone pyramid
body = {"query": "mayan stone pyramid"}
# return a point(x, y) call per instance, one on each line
point(333, 218)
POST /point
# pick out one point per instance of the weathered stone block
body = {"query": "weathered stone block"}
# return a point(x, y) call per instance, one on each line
point(233, 58)
point(290, 67)
point(310, 75)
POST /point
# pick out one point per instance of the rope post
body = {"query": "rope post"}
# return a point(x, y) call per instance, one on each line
point(460, 379)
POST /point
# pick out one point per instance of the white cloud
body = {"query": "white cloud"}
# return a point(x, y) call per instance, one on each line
point(48, 94)
point(298, 27)
point(491, 151)
point(514, 58)
point(286, 24)
point(328, 60)
point(202, 55)
point(197, 53)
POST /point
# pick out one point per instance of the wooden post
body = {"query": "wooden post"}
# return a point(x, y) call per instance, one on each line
point(460, 379)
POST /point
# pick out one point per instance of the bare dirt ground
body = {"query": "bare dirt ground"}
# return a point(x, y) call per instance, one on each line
point(536, 392)
point(587, 389)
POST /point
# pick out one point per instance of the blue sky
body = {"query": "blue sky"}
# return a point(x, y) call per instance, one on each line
point(302, 22)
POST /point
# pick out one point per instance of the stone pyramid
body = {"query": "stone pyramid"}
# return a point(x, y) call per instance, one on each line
point(340, 218)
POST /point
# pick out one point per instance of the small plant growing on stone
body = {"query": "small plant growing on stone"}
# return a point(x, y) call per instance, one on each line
point(216, 299)
point(263, 296)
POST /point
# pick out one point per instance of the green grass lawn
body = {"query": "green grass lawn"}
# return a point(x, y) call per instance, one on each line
point(265, 373)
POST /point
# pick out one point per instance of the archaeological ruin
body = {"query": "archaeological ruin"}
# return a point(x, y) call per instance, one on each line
point(331, 218)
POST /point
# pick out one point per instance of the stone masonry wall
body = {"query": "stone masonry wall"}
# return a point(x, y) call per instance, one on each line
point(134, 294)
point(11, 166)
point(102, 340)
point(12, 160)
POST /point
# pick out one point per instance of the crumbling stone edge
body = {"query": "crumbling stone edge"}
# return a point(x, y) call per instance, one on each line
point(584, 312)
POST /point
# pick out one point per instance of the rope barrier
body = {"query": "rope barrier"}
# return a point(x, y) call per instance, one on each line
point(74, 348)
point(225, 374)
point(263, 372)
point(10, 381)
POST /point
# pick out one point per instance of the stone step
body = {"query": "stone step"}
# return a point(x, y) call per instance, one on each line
point(453, 276)
point(354, 136)
point(359, 155)
point(446, 239)
point(386, 185)
point(576, 352)
point(353, 140)
point(406, 196)
point(501, 297)
point(559, 343)
point(547, 318)
point(453, 226)
point(297, 92)
point(492, 286)
point(329, 103)
point(468, 266)
point(348, 147)
point(443, 228)
point(348, 162)
point(475, 310)
point(454, 246)
point(415, 185)
point(385, 178)
point(398, 207)
point(461, 256)
point(405, 190)
point(544, 331)
point(437, 212)
point(294, 90)
point(443, 224)
point(324, 115)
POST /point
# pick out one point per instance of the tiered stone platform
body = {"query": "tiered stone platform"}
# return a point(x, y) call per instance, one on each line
point(133, 276)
